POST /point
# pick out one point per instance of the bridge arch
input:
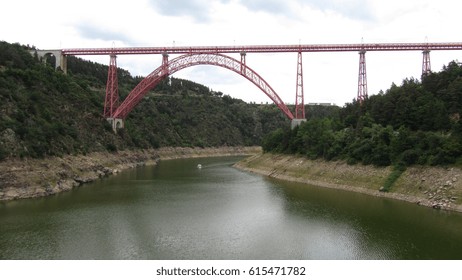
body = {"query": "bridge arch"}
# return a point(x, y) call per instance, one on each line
point(189, 60)
point(50, 59)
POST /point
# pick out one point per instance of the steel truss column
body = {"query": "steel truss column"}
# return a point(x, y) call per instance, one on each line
point(243, 63)
point(111, 102)
point(362, 79)
point(165, 64)
point(426, 67)
point(299, 103)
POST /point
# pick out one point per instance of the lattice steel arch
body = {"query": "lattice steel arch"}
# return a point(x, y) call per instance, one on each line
point(189, 60)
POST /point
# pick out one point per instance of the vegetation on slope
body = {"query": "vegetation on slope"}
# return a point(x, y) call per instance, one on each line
point(415, 123)
point(44, 112)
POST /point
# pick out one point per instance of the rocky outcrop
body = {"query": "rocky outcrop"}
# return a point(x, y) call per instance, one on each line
point(35, 178)
point(436, 187)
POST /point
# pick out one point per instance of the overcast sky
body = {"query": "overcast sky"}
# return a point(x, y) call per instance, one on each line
point(328, 77)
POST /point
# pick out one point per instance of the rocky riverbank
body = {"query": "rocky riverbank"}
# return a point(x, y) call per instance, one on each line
point(27, 178)
point(437, 187)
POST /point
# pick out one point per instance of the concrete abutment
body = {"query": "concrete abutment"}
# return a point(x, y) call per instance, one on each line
point(61, 60)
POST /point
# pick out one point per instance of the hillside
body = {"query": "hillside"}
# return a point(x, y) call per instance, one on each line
point(416, 123)
point(44, 112)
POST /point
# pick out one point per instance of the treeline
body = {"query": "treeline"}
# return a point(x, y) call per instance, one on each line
point(44, 112)
point(415, 123)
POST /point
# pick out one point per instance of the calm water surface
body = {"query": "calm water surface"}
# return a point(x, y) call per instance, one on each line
point(176, 211)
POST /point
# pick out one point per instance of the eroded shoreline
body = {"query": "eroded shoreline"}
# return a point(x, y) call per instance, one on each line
point(428, 186)
point(434, 187)
point(30, 178)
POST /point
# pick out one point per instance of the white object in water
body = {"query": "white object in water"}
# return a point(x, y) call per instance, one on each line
point(199, 166)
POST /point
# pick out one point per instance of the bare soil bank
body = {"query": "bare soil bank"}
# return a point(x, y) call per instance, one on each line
point(29, 178)
point(436, 187)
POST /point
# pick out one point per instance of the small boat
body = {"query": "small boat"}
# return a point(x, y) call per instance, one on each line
point(199, 166)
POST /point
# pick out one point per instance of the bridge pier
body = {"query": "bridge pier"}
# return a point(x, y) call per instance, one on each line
point(362, 79)
point(426, 67)
point(243, 63)
point(299, 102)
point(111, 102)
point(116, 123)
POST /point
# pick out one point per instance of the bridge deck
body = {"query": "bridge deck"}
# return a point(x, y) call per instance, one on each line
point(267, 48)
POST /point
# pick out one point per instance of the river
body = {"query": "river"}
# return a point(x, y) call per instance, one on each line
point(176, 211)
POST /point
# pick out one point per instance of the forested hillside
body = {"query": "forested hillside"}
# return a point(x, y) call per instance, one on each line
point(44, 112)
point(414, 123)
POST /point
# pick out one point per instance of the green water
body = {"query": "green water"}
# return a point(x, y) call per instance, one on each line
point(177, 211)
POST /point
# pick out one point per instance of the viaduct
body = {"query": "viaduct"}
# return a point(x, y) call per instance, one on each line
point(116, 111)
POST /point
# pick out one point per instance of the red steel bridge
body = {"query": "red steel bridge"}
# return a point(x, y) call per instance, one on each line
point(116, 111)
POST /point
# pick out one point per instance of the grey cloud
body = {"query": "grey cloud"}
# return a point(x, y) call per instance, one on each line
point(90, 31)
point(199, 10)
point(353, 9)
point(270, 6)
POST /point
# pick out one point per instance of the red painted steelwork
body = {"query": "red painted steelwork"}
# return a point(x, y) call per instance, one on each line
point(299, 104)
point(165, 64)
point(267, 48)
point(243, 63)
point(189, 60)
point(112, 92)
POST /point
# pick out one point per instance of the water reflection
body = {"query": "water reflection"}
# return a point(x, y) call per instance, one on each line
point(377, 228)
point(177, 211)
